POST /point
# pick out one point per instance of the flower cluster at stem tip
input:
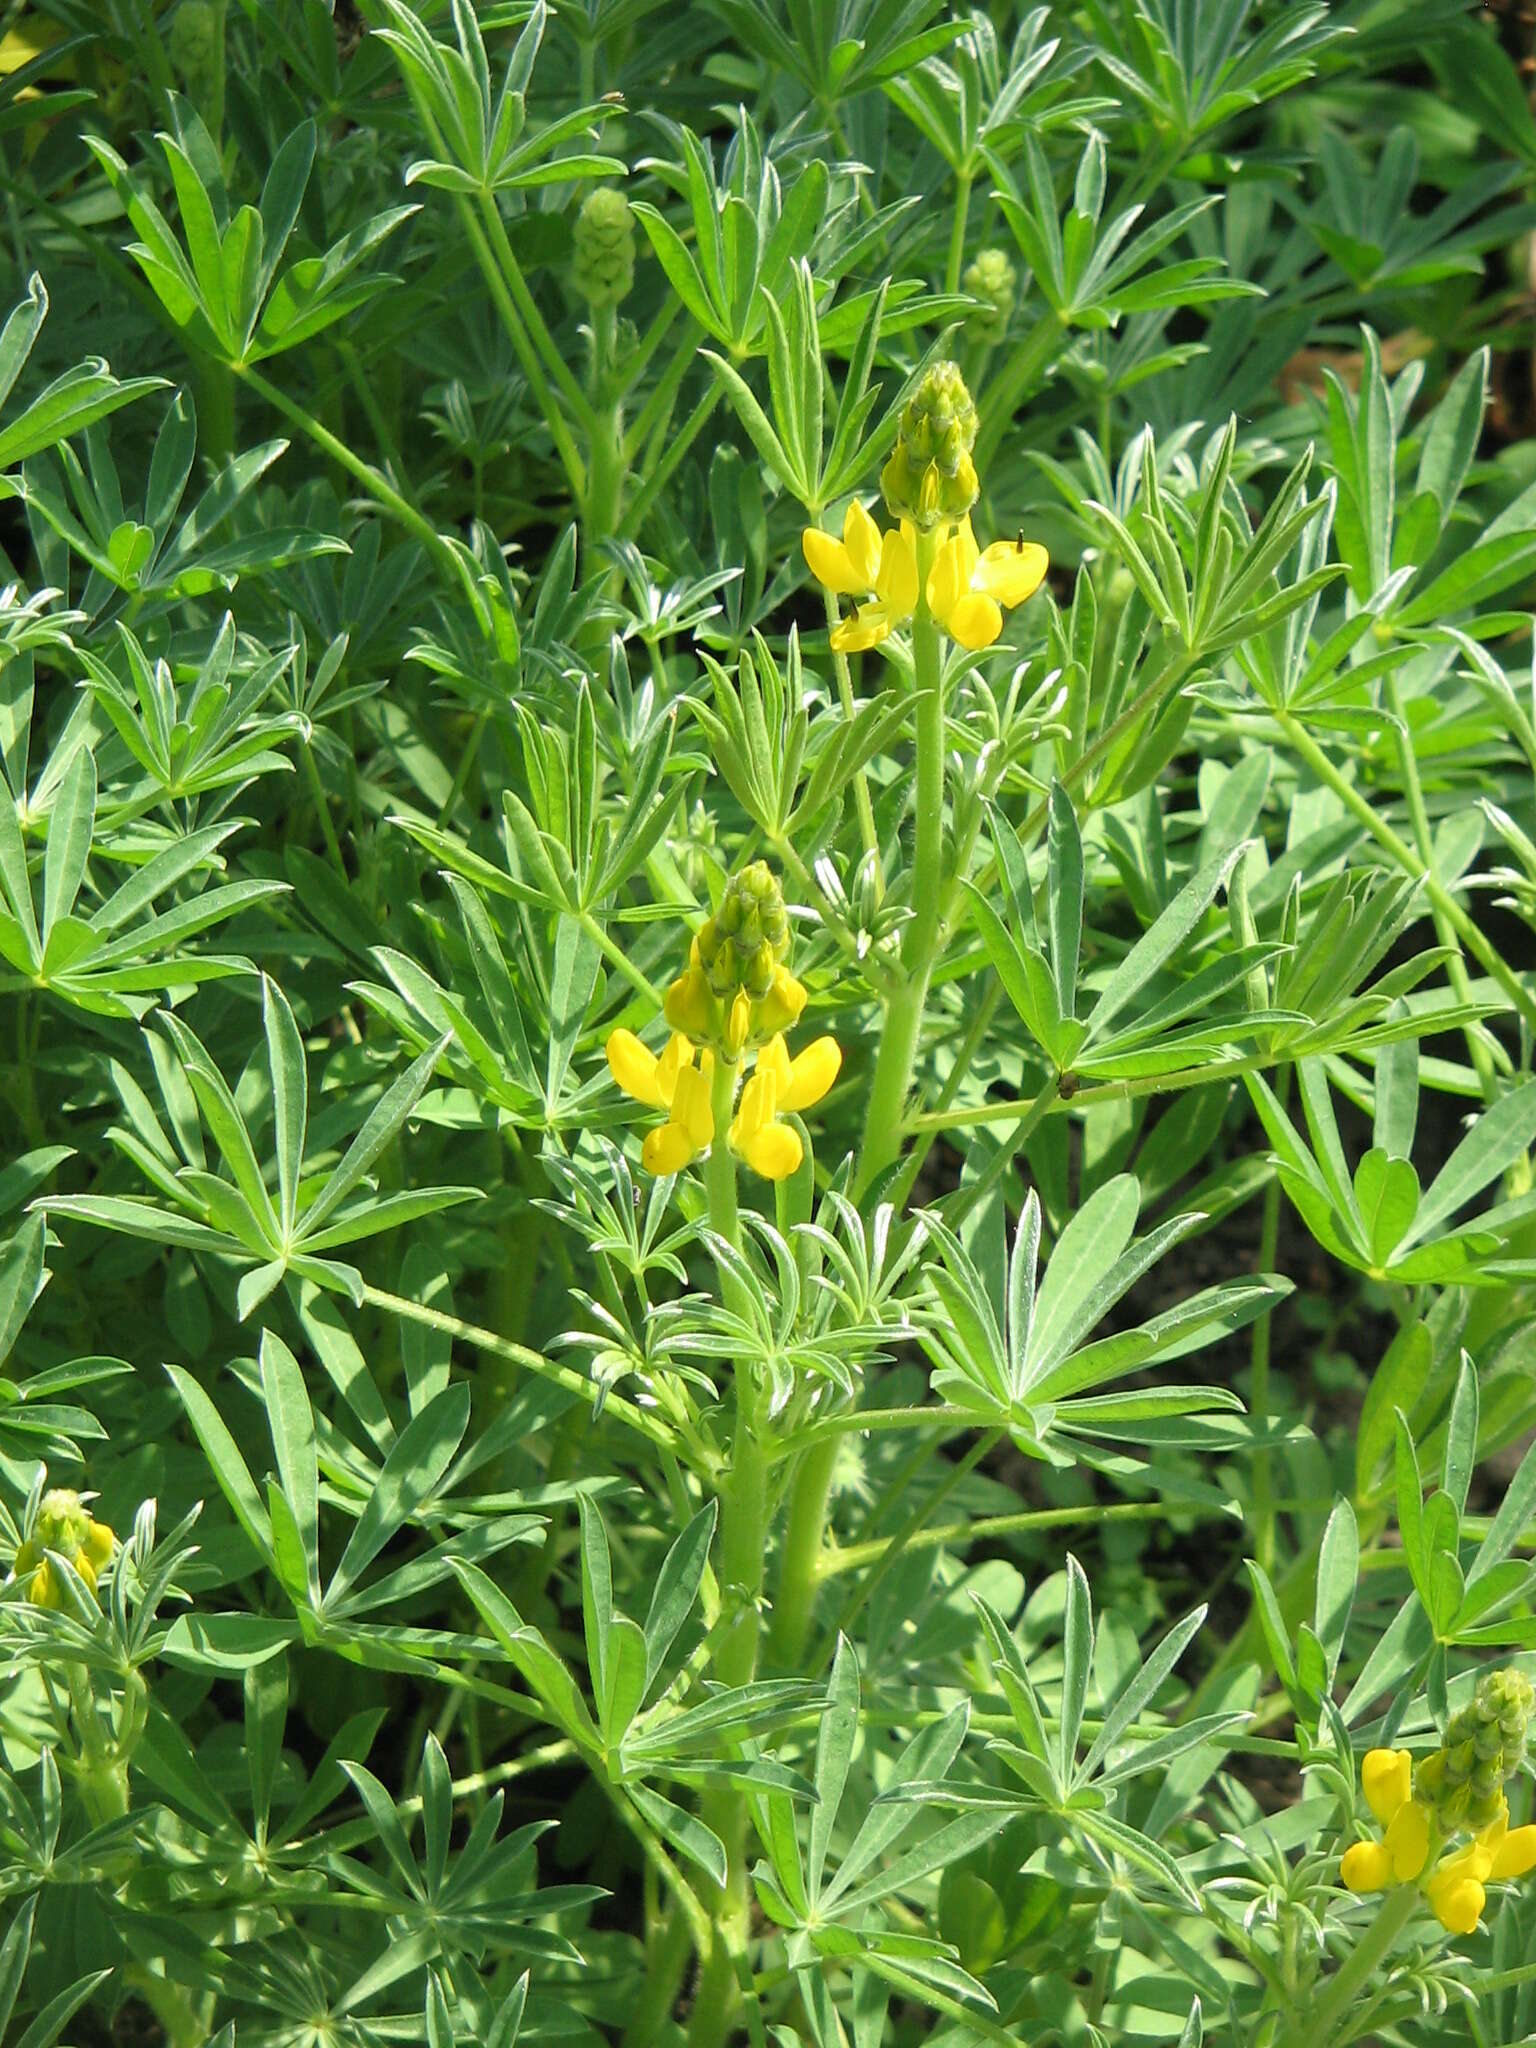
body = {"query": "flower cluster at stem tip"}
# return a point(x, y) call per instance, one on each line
point(1459, 1788)
point(732, 1004)
point(930, 485)
point(65, 1526)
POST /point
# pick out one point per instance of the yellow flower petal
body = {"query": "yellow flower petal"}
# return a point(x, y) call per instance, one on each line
point(788, 994)
point(1366, 1867)
point(689, 1005)
point(974, 621)
point(1458, 1903)
point(667, 1149)
point(1011, 571)
point(830, 563)
point(679, 1054)
point(867, 628)
point(755, 1109)
point(774, 1057)
point(634, 1067)
point(861, 544)
point(691, 1107)
point(811, 1074)
point(948, 580)
point(1386, 1778)
point(1515, 1855)
point(738, 1026)
point(1407, 1841)
point(775, 1151)
point(896, 578)
point(97, 1548)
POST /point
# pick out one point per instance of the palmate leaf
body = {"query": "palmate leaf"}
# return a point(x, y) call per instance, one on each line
point(232, 1214)
point(1026, 1363)
point(1376, 1219)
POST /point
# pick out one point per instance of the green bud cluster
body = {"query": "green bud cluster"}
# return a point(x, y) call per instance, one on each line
point(991, 278)
point(192, 45)
point(748, 937)
point(603, 247)
point(930, 477)
point(1463, 1781)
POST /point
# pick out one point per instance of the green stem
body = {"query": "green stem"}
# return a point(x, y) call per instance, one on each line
point(605, 448)
point(802, 1562)
point(978, 1190)
point(1456, 966)
point(1439, 896)
point(1258, 1389)
point(377, 486)
point(619, 960)
point(895, 1547)
point(638, 1419)
point(853, 1557)
point(666, 1960)
point(213, 387)
point(487, 237)
point(323, 812)
point(861, 803)
point(957, 231)
point(903, 1023)
point(661, 472)
point(1318, 2026)
point(743, 1543)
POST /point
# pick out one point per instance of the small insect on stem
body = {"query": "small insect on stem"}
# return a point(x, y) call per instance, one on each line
point(1068, 1086)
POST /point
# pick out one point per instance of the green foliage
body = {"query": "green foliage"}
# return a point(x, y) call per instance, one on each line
point(926, 1568)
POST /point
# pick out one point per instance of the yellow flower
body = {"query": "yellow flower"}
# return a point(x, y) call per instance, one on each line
point(847, 567)
point(1386, 1778)
point(64, 1525)
point(779, 1085)
point(1454, 1885)
point(672, 1083)
point(865, 560)
point(967, 591)
point(968, 587)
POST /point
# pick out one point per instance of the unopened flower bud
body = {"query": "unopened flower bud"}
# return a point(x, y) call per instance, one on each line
point(192, 43)
point(991, 278)
point(930, 477)
point(1484, 1746)
point(65, 1526)
point(603, 247)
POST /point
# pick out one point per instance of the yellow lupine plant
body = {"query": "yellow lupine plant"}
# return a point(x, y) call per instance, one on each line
point(730, 1007)
point(1459, 1787)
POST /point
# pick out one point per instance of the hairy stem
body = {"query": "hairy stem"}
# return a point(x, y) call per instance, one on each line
point(903, 1023)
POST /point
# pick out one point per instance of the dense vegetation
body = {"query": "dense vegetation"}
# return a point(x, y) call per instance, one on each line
point(767, 995)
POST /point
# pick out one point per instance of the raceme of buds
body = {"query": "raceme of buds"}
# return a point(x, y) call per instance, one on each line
point(65, 1526)
point(1460, 1786)
point(742, 944)
point(603, 247)
point(930, 478)
point(990, 277)
point(1463, 1782)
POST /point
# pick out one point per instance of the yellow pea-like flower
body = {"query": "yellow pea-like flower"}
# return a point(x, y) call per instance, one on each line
point(1386, 1779)
point(1416, 1813)
point(848, 567)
